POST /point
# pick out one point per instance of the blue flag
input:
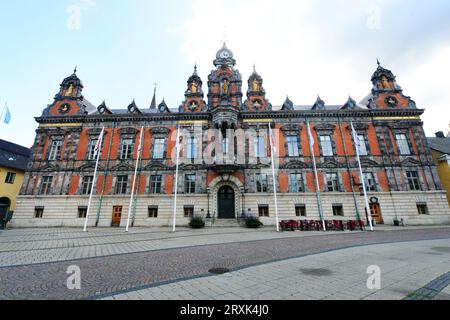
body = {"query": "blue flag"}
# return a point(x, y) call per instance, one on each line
point(7, 116)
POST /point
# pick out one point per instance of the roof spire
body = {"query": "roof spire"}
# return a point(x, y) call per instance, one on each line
point(153, 104)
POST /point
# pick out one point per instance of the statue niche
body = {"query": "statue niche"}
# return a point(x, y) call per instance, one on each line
point(256, 86)
point(69, 91)
point(385, 83)
point(194, 87)
point(225, 87)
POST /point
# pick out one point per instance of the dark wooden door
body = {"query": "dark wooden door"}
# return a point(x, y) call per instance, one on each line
point(226, 203)
point(116, 216)
point(375, 211)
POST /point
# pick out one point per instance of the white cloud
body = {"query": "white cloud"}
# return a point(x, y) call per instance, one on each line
point(302, 48)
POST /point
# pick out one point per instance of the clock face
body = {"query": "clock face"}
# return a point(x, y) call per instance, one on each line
point(64, 108)
point(161, 108)
point(102, 110)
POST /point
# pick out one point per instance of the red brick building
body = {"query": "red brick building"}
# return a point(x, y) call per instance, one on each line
point(225, 168)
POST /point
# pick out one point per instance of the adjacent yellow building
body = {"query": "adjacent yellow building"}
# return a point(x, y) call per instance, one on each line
point(440, 150)
point(13, 163)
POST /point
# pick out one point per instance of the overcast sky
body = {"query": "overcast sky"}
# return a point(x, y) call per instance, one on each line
point(300, 48)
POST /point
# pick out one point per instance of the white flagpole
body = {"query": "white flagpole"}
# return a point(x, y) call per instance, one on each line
point(176, 181)
point(319, 201)
point(273, 177)
point(369, 215)
point(134, 179)
point(100, 142)
point(3, 111)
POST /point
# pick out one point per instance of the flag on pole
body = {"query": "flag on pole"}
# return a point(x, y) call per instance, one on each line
point(98, 146)
point(356, 140)
point(311, 139)
point(7, 116)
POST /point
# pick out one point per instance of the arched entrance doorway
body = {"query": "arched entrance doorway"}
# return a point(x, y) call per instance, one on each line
point(225, 203)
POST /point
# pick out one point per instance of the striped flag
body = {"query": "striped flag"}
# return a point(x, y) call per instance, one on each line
point(98, 146)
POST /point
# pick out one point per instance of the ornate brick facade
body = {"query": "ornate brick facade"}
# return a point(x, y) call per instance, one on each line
point(225, 168)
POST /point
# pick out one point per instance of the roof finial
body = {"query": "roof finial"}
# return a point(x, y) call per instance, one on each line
point(378, 62)
point(254, 67)
point(195, 69)
point(75, 70)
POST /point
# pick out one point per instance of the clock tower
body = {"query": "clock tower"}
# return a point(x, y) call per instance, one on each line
point(224, 82)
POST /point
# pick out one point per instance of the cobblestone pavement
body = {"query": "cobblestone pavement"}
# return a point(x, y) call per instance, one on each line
point(340, 274)
point(163, 257)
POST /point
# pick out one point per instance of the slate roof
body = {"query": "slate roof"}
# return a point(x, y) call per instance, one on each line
point(13, 156)
point(440, 144)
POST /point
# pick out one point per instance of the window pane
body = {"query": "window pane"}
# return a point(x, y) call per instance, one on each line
point(296, 182)
point(369, 180)
point(261, 182)
point(155, 184)
point(402, 144)
point(55, 150)
point(91, 149)
point(363, 147)
point(159, 147)
point(292, 142)
point(413, 180)
point(332, 182)
point(191, 148)
point(87, 185)
point(259, 147)
point(327, 147)
point(189, 183)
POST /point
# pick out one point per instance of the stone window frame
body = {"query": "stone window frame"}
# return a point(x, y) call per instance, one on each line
point(325, 175)
point(189, 211)
point(49, 187)
point(292, 130)
point(303, 185)
point(326, 130)
point(264, 209)
point(257, 180)
point(185, 189)
point(361, 130)
point(116, 184)
point(375, 179)
point(338, 206)
point(419, 181)
point(300, 206)
point(82, 185)
point(127, 134)
point(57, 156)
point(149, 189)
point(93, 135)
point(159, 133)
point(402, 128)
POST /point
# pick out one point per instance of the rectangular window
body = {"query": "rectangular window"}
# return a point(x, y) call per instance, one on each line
point(155, 184)
point(121, 184)
point(292, 143)
point(413, 180)
point(87, 185)
point(188, 211)
point(259, 146)
point(363, 147)
point(327, 147)
point(332, 182)
point(10, 177)
point(127, 149)
point(191, 152)
point(263, 210)
point(38, 212)
point(46, 186)
point(82, 212)
point(402, 144)
point(158, 148)
point(55, 150)
point(338, 210)
point(91, 149)
point(153, 211)
point(300, 210)
point(369, 180)
point(225, 145)
point(296, 182)
point(189, 186)
point(422, 208)
point(261, 182)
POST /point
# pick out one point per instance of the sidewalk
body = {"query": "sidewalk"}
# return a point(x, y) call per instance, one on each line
point(336, 275)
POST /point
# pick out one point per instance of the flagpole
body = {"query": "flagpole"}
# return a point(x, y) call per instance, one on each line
point(134, 178)
point(3, 111)
point(100, 142)
point(273, 177)
point(176, 181)
point(319, 201)
point(369, 215)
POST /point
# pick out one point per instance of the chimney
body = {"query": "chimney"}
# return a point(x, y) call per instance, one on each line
point(440, 134)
